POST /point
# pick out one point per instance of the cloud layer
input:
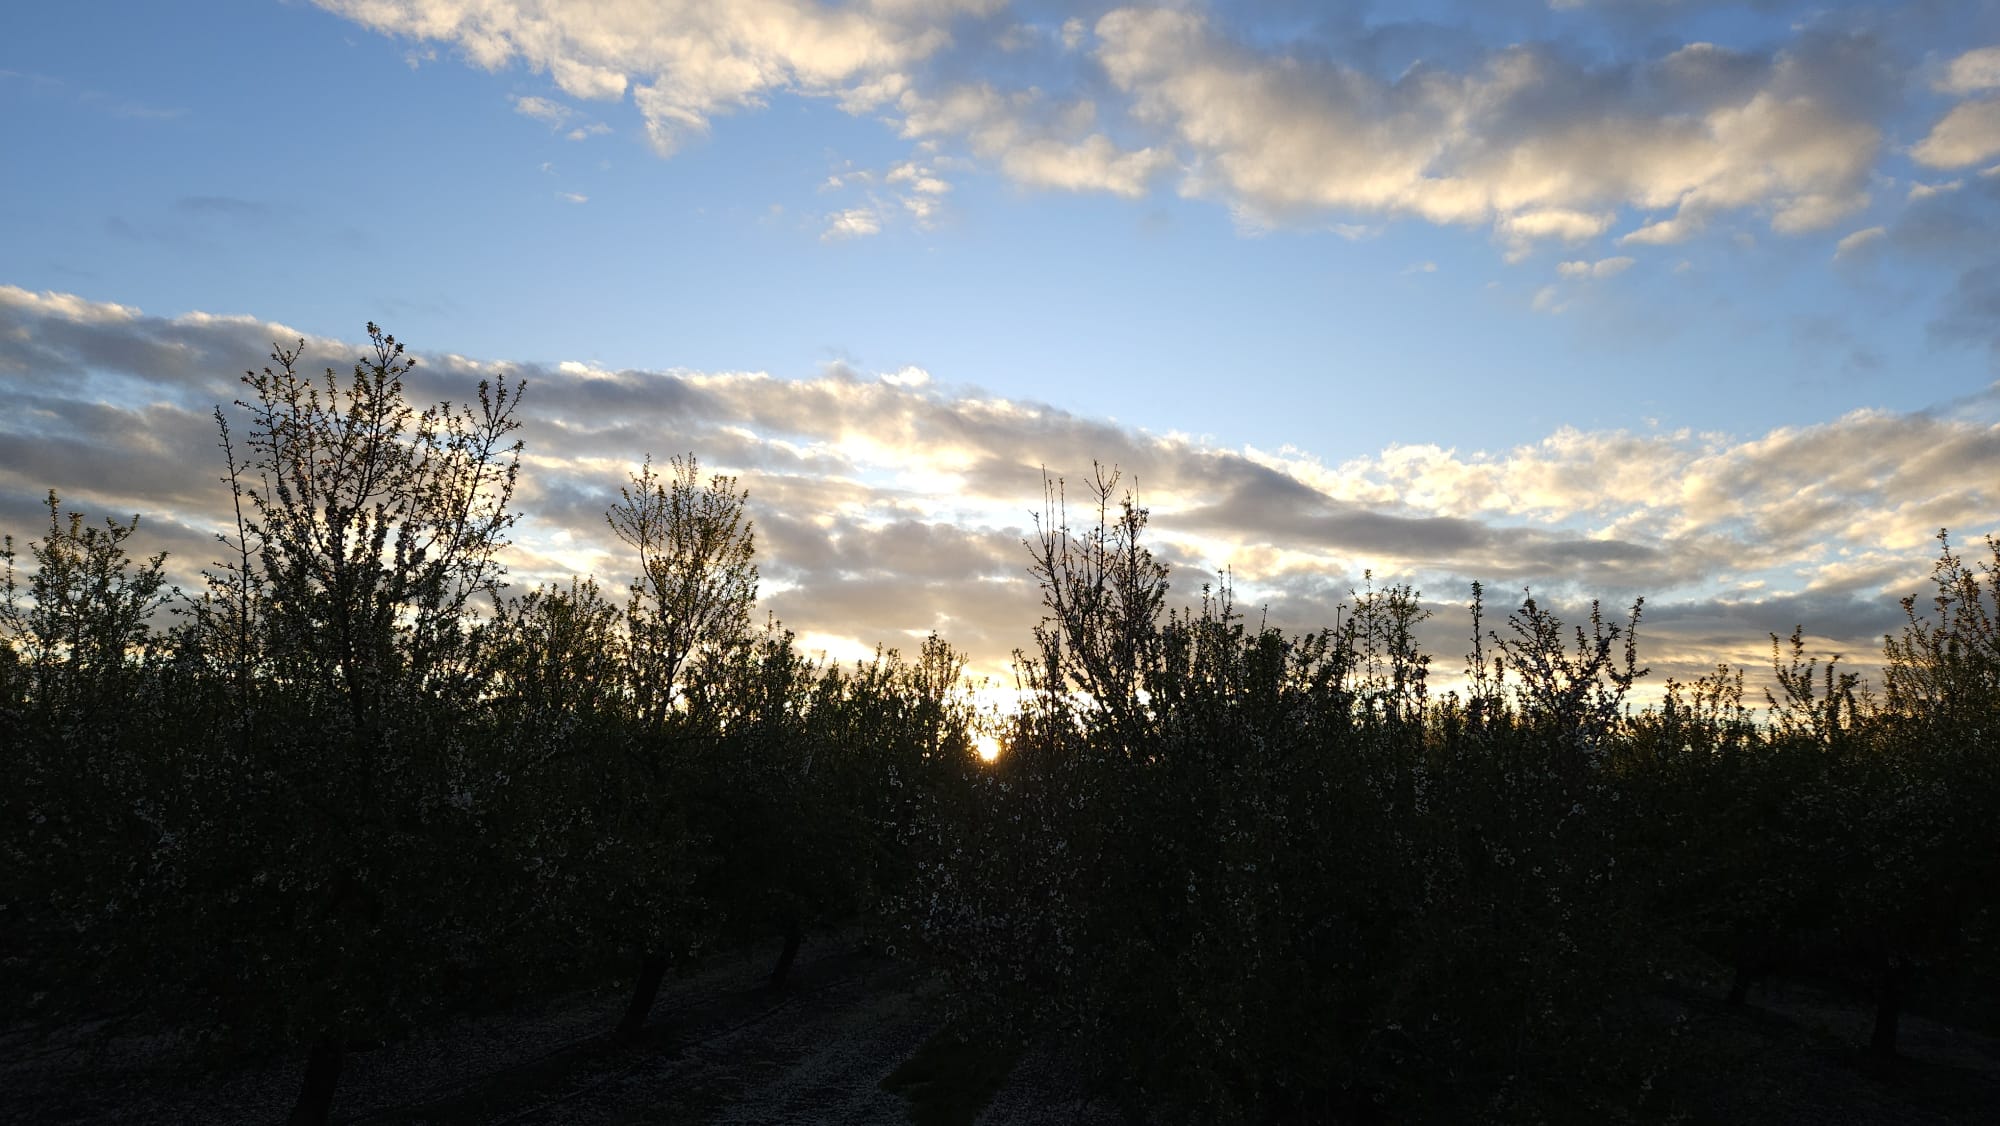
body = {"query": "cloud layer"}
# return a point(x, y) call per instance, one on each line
point(895, 504)
point(1591, 125)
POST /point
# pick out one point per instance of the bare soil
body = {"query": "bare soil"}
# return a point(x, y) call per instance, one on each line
point(722, 1047)
point(725, 1048)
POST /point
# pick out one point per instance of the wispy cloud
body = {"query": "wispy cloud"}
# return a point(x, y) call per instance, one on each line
point(543, 109)
point(1850, 245)
point(855, 222)
point(114, 105)
point(893, 504)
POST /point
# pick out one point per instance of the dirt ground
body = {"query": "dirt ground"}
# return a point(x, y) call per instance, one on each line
point(724, 1048)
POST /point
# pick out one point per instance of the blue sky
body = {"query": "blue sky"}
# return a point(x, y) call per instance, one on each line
point(1693, 299)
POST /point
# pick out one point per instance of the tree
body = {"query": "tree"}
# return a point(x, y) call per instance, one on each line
point(691, 599)
point(88, 611)
point(1104, 593)
point(81, 798)
point(696, 580)
point(366, 528)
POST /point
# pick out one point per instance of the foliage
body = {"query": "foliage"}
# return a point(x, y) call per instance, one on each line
point(696, 579)
point(1240, 874)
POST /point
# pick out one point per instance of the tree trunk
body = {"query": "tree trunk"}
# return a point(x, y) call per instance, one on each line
point(652, 968)
point(316, 1092)
point(794, 935)
point(1889, 984)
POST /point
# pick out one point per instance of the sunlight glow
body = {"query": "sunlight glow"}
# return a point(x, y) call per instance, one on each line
point(988, 748)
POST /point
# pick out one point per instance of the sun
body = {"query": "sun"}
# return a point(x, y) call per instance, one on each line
point(987, 746)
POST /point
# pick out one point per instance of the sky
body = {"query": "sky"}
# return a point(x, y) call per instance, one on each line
point(1685, 299)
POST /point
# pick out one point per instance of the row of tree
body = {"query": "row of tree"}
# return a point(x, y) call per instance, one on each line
point(353, 783)
point(1249, 876)
point(1244, 875)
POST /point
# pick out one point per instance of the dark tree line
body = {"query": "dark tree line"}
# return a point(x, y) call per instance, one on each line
point(1250, 876)
point(355, 783)
point(1243, 875)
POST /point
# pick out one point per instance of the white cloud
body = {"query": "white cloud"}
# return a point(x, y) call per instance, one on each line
point(1665, 232)
point(1529, 140)
point(683, 61)
point(542, 109)
point(1501, 142)
point(1034, 141)
point(919, 178)
point(855, 222)
point(1858, 240)
point(573, 197)
point(1814, 212)
point(1602, 268)
point(1967, 135)
point(1521, 232)
point(1975, 70)
point(912, 185)
point(585, 132)
point(65, 306)
point(1925, 191)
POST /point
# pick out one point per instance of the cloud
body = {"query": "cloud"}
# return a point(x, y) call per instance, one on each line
point(1600, 269)
point(98, 101)
point(919, 178)
point(1972, 311)
point(855, 222)
point(1521, 232)
point(542, 109)
point(1947, 233)
point(1336, 121)
point(1034, 141)
point(1975, 70)
point(1528, 139)
point(1852, 244)
point(573, 197)
point(1665, 232)
point(682, 61)
point(1968, 134)
point(891, 505)
point(1925, 191)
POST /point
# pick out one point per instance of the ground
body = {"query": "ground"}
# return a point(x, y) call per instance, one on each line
point(725, 1048)
point(722, 1048)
